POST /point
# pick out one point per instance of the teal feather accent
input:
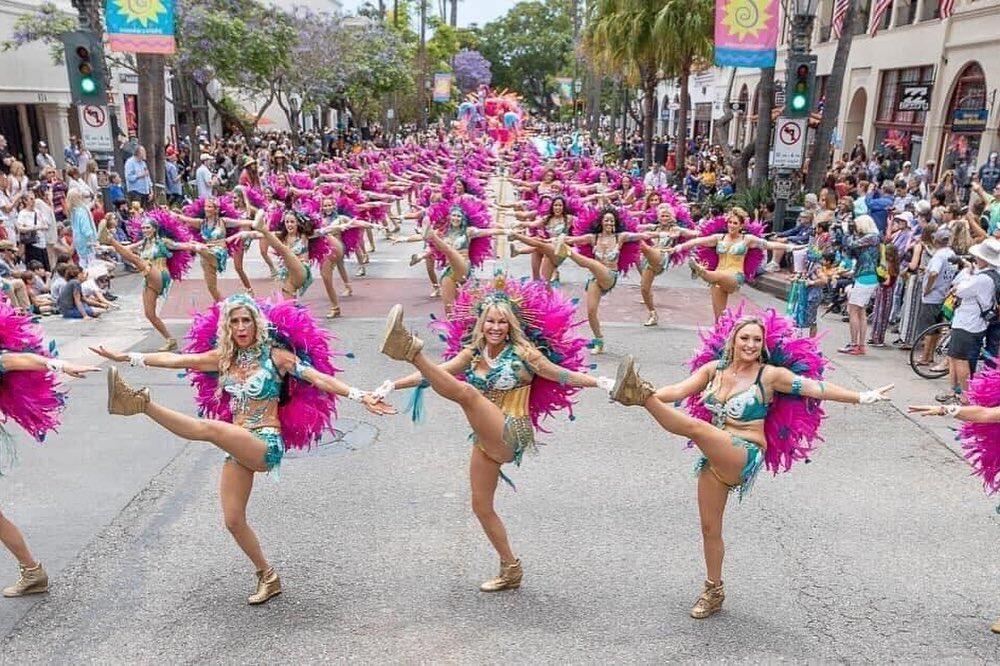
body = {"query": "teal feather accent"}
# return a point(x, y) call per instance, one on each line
point(415, 404)
point(349, 355)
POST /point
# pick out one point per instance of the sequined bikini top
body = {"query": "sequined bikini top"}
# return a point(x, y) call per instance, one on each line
point(155, 249)
point(724, 246)
point(459, 239)
point(606, 256)
point(213, 232)
point(744, 406)
point(508, 372)
point(254, 387)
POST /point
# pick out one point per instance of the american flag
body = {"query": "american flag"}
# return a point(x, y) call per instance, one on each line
point(839, 12)
point(880, 9)
point(947, 8)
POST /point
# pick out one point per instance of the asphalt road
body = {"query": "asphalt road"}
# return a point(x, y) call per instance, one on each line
point(883, 549)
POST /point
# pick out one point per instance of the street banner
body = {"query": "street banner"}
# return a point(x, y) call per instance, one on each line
point(140, 26)
point(746, 33)
point(442, 87)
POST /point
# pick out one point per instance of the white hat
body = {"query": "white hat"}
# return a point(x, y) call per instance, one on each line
point(988, 251)
point(207, 156)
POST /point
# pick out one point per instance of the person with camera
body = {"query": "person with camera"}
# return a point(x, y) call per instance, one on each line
point(976, 286)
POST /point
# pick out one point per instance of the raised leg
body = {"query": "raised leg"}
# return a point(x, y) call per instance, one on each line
point(234, 440)
point(296, 270)
point(13, 540)
point(602, 276)
point(235, 485)
point(459, 263)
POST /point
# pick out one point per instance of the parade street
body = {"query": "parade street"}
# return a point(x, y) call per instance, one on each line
point(881, 550)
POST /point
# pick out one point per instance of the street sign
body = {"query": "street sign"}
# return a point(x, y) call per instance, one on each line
point(789, 143)
point(783, 188)
point(95, 128)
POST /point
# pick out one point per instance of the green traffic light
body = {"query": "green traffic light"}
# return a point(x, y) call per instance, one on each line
point(88, 86)
point(798, 102)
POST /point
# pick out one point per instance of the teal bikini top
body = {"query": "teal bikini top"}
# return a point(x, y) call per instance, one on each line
point(746, 405)
point(213, 232)
point(261, 385)
point(556, 226)
point(300, 246)
point(508, 372)
point(726, 247)
point(608, 256)
point(155, 249)
point(459, 239)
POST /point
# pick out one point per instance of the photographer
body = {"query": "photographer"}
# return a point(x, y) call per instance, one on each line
point(975, 311)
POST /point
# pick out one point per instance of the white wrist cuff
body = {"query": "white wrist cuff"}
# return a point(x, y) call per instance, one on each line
point(606, 383)
point(137, 360)
point(869, 397)
point(952, 410)
point(55, 365)
point(384, 389)
point(355, 394)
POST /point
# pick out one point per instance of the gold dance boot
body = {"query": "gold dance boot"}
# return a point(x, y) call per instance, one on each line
point(32, 581)
point(630, 389)
point(509, 578)
point(268, 585)
point(169, 345)
point(122, 398)
point(710, 601)
point(398, 343)
point(562, 251)
point(653, 320)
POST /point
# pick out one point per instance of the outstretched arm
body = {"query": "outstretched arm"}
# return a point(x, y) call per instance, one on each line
point(696, 383)
point(783, 380)
point(455, 365)
point(14, 361)
point(970, 413)
point(697, 242)
point(546, 368)
point(204, 362)
point(288, 363)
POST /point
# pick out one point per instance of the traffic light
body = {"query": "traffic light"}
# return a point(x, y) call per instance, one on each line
point(85, 67)
point(799, 88)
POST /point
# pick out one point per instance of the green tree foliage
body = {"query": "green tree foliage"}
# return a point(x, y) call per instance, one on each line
point(528, 47)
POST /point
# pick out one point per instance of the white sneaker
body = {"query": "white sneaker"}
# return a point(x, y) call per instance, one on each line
point(772, 267)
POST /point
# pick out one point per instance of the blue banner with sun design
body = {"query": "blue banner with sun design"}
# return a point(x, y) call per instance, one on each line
point(140, 26)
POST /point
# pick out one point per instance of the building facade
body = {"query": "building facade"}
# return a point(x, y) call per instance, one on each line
point(923, 88)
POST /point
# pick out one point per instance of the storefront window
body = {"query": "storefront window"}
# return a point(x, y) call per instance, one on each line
point(965, 123)
point(899, 124)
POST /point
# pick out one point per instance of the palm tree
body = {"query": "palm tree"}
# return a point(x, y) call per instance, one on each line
point(686, 28)
point(622, 36)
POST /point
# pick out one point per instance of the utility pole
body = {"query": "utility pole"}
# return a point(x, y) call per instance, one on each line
point(422, 86)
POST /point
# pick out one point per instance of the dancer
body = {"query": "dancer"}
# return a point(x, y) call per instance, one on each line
point(728, 260)
point(510, 383)
point(291, 243)
point(552, 224)
point(30, 398)
point(980, 432)
point(760, 413)
point(344, 233)
point(614, 250)
point(247, 201)
point(242, 380)
point(162, 254)
point(214, 229)
point(665, 233)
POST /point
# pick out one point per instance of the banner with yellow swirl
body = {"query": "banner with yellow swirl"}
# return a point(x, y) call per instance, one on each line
point(746, 33)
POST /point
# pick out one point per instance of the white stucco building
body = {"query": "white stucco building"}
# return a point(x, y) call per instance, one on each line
point(955, 61)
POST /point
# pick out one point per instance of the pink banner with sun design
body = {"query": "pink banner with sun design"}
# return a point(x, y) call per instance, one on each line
point(746, 33)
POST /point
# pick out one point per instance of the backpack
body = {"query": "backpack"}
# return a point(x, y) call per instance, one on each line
point(992, 314)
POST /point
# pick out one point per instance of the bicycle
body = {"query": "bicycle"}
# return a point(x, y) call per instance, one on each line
point(937, 367)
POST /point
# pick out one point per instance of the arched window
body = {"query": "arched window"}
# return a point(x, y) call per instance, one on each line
point(965, 122)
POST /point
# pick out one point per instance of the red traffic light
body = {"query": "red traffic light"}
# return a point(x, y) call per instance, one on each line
point(83, 52)
point(802, 71)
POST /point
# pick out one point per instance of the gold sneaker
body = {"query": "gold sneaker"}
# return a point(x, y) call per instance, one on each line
point(398, 343)
point(169, 345)
point(710, 601)
point(509, 578)
point(268, 585)
point(122, 398)
point(630, 389)
point(32, 581)
point(653, 320)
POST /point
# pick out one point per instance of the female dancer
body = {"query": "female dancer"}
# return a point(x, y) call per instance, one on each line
point(729, 259)
point(214, 231)
point(759, 412)
point(464, 245)
point(248, 372)
point(247, 201)
point(291, 243)
point(30, 398)
point(614, 250)
point(665, 233)
point(557, 222)
point(345, 235)
point(507, 378)
point(162, 254)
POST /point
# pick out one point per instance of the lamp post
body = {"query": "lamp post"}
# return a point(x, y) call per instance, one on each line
point(803, 17)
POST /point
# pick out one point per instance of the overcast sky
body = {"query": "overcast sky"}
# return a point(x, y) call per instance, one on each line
point(469, 11)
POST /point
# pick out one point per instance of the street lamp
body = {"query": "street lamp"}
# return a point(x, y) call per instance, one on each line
point(802, 22)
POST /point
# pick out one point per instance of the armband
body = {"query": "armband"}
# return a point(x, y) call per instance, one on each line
point(299, 369)
point(796, 386)
point(55, 365)
point(563, 377)
point(137, 360)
